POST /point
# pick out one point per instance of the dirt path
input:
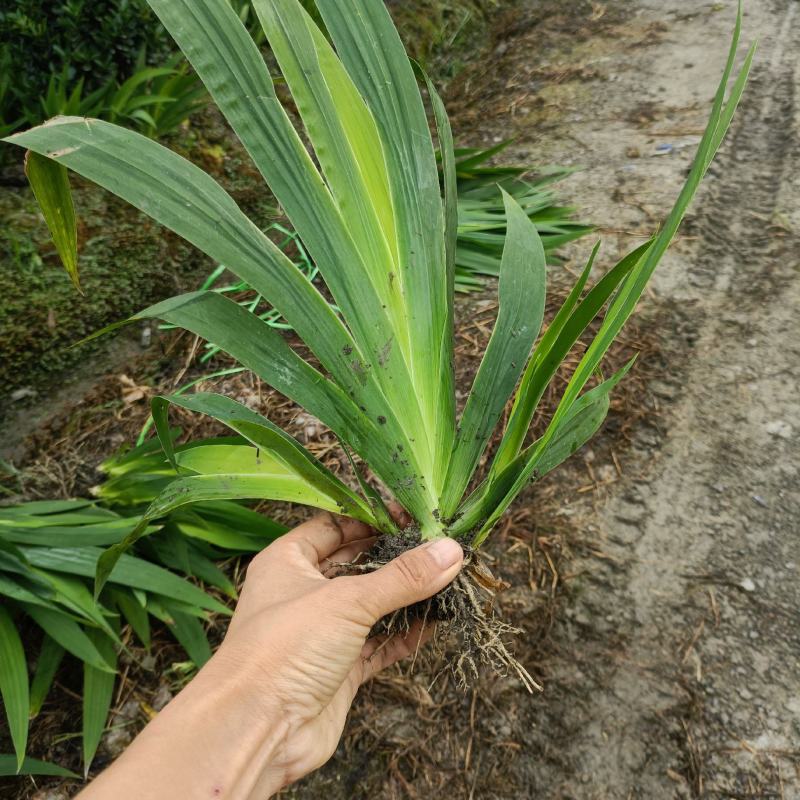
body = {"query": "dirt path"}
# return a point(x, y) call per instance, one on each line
point(680, 674)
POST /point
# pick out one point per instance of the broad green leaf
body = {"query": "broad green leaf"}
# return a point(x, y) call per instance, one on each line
point(179, 195)
point(585, 418)
point(134, 613)
point(185, 627)
point(370, 48)
point(32, 766)
point(175, 550)
point(44, 507)
point(259, 348)
point(231, 472)
point(445, 426)
point(244, 520)
point(98, 690)
point(345, 138)
point(47, 664)
point(231, 66)
point(535, 455)
point(66, 632)
point(380, 513)
point(17, 591)
point(84, 516)
point(14, 684)
point(558, 340)
point(128, 571)
point(50, 184)
point(224, 535)
point(522, 291)
point(102, 534)
point(73, 595)
point(244, 461)
point(583, 422)
point(267, 438)
point(228, 472)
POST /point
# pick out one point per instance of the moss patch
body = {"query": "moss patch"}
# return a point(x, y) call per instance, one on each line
point(126, 260)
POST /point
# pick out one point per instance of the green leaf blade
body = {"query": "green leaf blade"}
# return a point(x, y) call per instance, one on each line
point(32, 766)
point(98, 691)
point(50, 657)
point(14, 685)
point(522, 291)
point(50, 183)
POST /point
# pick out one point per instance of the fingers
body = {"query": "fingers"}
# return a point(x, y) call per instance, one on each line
point(380, 653)
point(323, 535)
point(347, 554)
point(350, 552)
point(414, 576)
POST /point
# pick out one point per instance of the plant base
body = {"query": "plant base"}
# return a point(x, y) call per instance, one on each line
point(463, 611)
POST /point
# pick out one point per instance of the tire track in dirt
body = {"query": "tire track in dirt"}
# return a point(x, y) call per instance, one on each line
point(703, 589)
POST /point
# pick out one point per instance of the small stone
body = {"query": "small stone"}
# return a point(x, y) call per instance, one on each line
point(780, 429)
point(747, 584)
point(760, 501)
point(21, 394)
point(162, 697)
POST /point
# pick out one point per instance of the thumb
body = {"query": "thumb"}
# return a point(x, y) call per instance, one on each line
point(412, 577)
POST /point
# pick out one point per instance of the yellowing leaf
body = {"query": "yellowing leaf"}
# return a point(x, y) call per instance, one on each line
point(50, 184)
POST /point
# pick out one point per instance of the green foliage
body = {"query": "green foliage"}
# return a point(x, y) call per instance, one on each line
point(154, 100)
point(50, 184)
point(482, 220)
point(482, 228)
point(433, 29)
point(370, 213)
point(31, 766)
point(48, 556)
point(83, 42)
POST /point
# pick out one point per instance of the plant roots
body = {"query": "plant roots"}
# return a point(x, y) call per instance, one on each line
point(464, 610)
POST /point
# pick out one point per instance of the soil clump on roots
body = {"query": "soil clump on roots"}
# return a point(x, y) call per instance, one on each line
point(463, 614)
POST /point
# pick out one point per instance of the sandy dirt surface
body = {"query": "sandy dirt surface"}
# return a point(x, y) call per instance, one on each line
point(679, 668)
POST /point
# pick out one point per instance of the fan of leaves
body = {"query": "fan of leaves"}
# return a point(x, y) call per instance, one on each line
point(48, 557)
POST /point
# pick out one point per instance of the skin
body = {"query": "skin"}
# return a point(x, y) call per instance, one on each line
point(271, 704)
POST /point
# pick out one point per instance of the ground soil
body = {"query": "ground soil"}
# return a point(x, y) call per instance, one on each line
point(674, 666)
point(655, 577)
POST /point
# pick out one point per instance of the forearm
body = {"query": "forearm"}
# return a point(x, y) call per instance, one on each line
point(271, 704)
point(214, 740)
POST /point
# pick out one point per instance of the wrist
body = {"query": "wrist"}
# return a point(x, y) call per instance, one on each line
point(217, 739)
point(243, 729)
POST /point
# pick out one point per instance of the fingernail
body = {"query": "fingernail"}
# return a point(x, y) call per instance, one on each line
point(445, 552)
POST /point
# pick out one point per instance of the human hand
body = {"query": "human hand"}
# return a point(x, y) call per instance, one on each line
point(271, 704)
